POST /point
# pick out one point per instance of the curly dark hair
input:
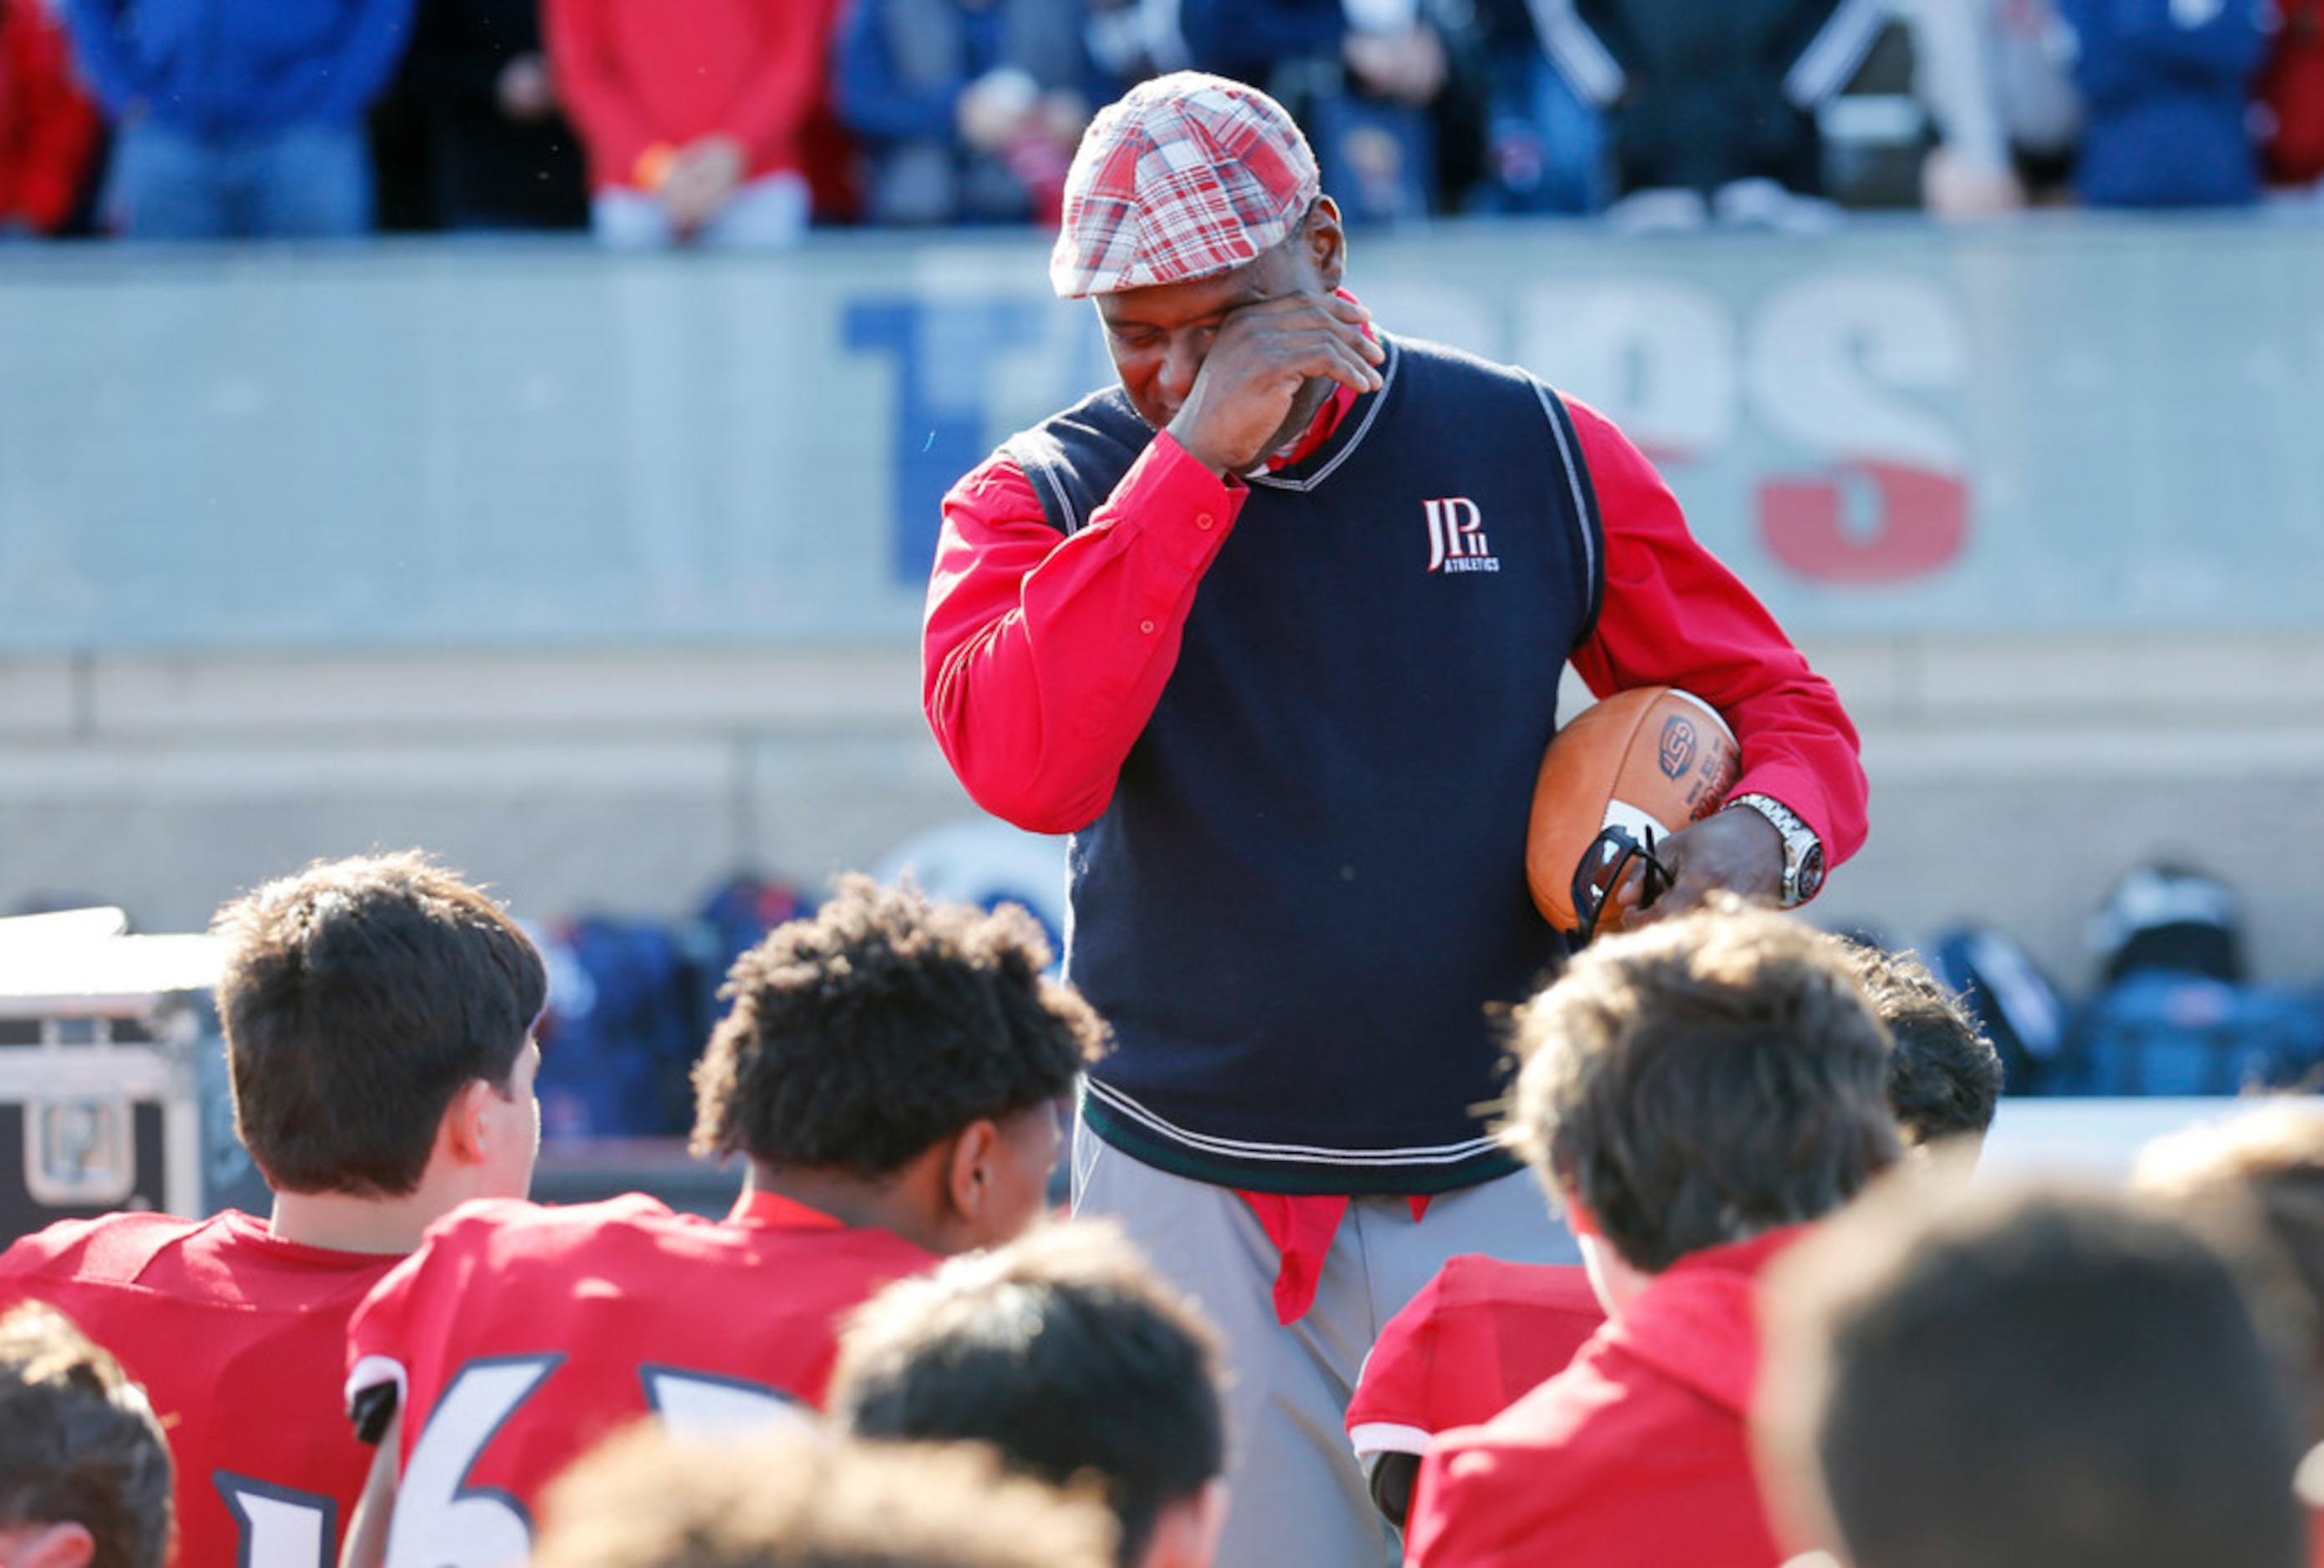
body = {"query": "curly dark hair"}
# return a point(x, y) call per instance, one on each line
point(865, 1034)
point(78, 1443)
point(1946, 1078)
point(1066, 1351)
point(1703, 1080)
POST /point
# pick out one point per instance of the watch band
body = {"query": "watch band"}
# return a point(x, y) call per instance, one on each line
point(1802, 850)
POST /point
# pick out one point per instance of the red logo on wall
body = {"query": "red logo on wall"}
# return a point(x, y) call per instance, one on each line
point(1869, 522)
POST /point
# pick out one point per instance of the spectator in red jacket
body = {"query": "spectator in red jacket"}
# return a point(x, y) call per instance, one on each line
point(1694, 1094)
point(48, 126)
point(694, 114)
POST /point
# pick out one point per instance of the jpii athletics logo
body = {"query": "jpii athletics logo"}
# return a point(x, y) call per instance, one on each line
point(1456, 537)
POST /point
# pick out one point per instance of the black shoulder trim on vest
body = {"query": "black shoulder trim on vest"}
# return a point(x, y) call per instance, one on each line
point(1585, 504)
point(1042, 452)
point(1042, 457)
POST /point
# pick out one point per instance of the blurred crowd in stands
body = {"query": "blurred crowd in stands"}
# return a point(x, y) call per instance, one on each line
point(743, 122)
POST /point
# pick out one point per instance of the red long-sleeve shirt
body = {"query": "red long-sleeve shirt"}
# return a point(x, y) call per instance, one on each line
point(667, 74)
point(1637, 1452)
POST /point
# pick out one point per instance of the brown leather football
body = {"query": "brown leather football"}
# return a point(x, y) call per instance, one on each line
point(1652, 757)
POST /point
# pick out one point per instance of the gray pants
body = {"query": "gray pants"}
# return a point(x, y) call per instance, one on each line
point(1300, 1499)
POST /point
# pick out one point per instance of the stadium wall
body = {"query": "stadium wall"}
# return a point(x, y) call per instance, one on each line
point(600, 575)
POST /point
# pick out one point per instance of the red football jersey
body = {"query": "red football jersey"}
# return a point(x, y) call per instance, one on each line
point(519, 1336)
point(1636, 1453)
point(1476, 1339)
point(240, 1338)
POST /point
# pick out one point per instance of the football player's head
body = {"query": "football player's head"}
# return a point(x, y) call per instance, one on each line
point(802, 1500)
point(1068, 1354)
point(1713, 1076)
point(1945, 1080)
point(367, 1004)
point(2258, 1177)
point(904, 1045)
point(2063, 1378)
point(84, 1467)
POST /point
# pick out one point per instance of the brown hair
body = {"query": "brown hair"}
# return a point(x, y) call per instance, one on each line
point(359, 996)
point(78, 1443)
point(2045, 1376)
point(2260, 1170)
point(883, 1024)
point(1066, 1351)
point(1945, 1080)
point(796, 1501)
point(1707, 1078)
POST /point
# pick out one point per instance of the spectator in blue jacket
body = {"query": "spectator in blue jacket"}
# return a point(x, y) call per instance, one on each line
point(968, 111)
point(1373, 83)
point(2166, 100)
point(236, 118)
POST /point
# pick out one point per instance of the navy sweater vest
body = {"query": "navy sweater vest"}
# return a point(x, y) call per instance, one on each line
point(1305, 911)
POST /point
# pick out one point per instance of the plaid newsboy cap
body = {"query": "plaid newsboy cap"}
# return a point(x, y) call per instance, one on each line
point(1185, 176)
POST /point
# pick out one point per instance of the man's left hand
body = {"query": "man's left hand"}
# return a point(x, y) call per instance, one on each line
point(1739, 850)
point(701, 179)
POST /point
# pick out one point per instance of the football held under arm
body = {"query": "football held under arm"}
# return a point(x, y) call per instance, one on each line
point(1674, 616)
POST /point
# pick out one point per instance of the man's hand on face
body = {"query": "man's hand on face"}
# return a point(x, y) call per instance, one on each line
point(1247, 399)
point(1739, 850)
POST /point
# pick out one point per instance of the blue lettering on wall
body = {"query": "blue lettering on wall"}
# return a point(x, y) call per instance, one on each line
point(943, 350)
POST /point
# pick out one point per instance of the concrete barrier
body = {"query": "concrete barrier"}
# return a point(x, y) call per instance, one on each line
point(600, 575)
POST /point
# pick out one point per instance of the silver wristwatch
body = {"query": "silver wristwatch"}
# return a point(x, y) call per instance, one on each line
point(1802, 850)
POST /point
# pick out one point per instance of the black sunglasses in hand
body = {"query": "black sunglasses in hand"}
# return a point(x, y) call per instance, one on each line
point(1602, 867)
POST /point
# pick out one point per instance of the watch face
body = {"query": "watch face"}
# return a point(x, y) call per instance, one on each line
point(1810, 881)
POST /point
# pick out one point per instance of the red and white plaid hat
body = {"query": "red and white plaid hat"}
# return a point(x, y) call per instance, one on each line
point(1185, 176)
